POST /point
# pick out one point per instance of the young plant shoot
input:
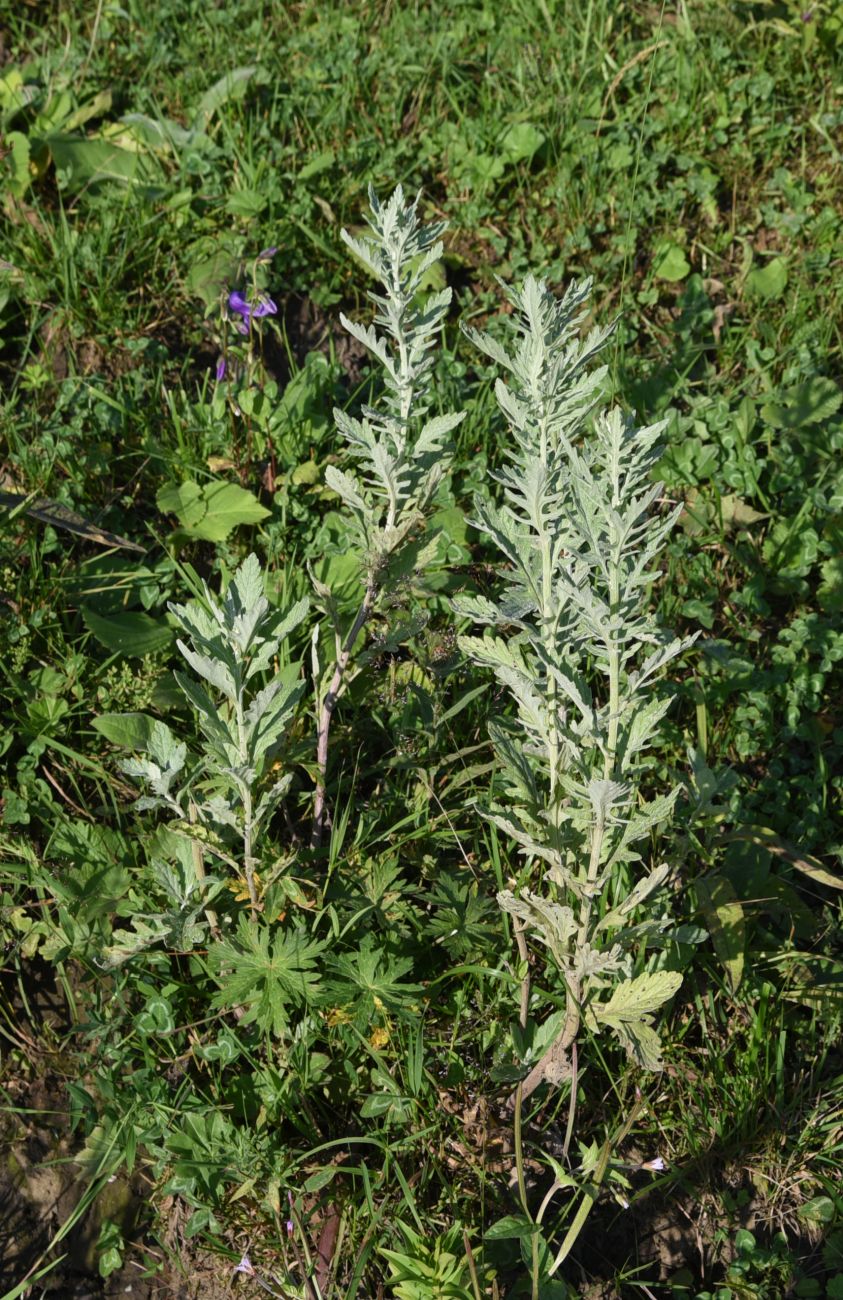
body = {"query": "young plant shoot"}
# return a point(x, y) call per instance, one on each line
point(399, 448)
point(574, 643)
point(232, 645)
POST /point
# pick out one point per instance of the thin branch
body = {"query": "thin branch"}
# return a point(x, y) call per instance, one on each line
point(326, 712)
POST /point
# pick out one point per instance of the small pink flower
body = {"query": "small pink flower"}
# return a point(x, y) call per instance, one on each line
point(656, 1166)
point(245, 1266)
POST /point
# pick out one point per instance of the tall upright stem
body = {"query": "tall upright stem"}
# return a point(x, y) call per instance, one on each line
point(248, 810)
point(614, 678)
point(524, 1008)
point(326, 712)
point(406, 389)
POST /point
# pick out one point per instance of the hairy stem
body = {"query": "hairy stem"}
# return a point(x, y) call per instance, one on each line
point(199, 869)
point(556, 1058)
point(248, 860)
point(248, 811)
point(614, 678)
point(524, 1007)
point(326, 712)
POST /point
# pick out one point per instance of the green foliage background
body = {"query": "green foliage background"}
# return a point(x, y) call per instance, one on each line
point(688, 159)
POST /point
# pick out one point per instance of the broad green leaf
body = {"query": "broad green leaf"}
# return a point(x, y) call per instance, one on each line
point(139, 130)
point(316, 1181)
point(511, 1226)
point(246, 203)
point(671, 264)
point(183, 500)
point(267, 972)
point(725, 920)
point(811, 402)
point(320, 162)
point(226, 507)
point(208, 276)
point(736, 513)
point(305, 474)
point(521, 142)
point(640, 996)
point(95, 107)
point(131, 634)
point(790, 548)
point(14, 94)
point(91, 161)
point(18, 145)
point(641, 1042)
point(768, 282)
point(816, 982)
point(232, 86)
point(830, 590)
point(819, 1212)
point(53, 115)
point(131, 730)
point(212, 511)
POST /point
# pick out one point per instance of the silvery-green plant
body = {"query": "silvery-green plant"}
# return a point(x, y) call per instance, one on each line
point(573, 641)
point(399, 449)
point(244, 701)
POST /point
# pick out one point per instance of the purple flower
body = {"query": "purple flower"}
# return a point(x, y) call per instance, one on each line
point(262, 306)
point(245, 1266)
point(220, 370)
point(267, 254)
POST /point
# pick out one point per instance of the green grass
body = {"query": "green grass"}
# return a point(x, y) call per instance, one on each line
point(689, 160)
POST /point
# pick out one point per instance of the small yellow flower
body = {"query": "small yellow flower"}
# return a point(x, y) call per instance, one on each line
point(379, 1038)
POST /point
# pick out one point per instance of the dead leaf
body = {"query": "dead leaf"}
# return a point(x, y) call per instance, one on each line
point(804, 862)
point(59, 516)
point(722, 312)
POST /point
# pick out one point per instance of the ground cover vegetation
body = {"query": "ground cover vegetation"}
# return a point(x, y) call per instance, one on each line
point(420, 859)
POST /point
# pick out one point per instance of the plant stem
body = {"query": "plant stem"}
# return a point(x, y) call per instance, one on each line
point(572, 1100)
point(614, 679)
point(615, 548)
point(248, 862)
point(326, 712)
point(521, 942)
point(591, 1192)
point(557, 1055)
point(555, 1058)
point(472, 1267)
point(199, 868)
